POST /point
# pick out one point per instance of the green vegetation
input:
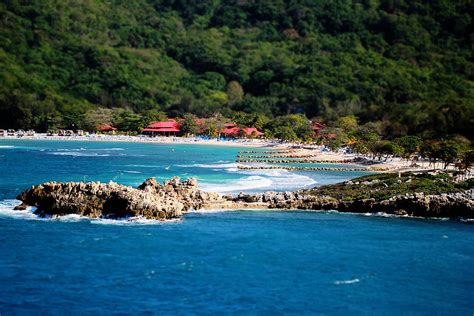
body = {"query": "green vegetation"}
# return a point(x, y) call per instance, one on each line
point(369, 68)
point(385, 186)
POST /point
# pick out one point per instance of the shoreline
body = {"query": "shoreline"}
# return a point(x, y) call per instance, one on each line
point(392, 165)
point(140, 220)
point(29, 214)
point(157, 140)
point(382, 194)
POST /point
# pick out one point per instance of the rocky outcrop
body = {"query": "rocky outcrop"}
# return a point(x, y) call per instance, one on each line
point(451, 205)
point(151, 199)
point(171, 199)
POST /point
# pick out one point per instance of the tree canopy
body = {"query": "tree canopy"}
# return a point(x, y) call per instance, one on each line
point(405, 66)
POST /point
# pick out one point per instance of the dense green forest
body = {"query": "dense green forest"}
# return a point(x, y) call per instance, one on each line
point(404, 66)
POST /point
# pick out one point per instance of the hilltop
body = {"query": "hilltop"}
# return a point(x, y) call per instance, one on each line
point(405, 65)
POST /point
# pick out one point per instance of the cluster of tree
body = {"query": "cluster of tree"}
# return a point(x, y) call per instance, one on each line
point(447, 152)
point(293, 127)
point(406, 65)
point(368, 139)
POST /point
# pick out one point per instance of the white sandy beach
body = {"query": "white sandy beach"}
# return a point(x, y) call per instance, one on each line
point(390, 165)
point(162, 140)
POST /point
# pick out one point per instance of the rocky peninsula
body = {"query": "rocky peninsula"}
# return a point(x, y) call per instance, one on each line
point(151, 199)
point(410, 194)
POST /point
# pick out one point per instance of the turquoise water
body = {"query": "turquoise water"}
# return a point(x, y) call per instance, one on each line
point(28, 162)
point(226, 262)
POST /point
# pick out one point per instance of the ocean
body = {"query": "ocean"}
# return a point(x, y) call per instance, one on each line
point(245, 262)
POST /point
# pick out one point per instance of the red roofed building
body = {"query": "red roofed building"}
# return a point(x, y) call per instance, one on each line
point(234, 130)
point(166, 128)
point(104, 128)
point(230, 129)
point(316, 127)
point(249, 131)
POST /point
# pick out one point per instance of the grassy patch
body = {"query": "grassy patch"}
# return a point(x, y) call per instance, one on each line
point(385, 186)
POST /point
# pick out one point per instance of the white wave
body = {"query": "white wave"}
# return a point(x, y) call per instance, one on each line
point(131, 171)
point(132, 221)
point(91, 149)
point(68, 218)
point(283, 179)
point(260, 179)
point(71, 149)
point(383, 214)
point(6, 209)
point(6, 146)
point(352, 281)
point(145, 166)
point(107, 149)
point(244, 184)
point(79, 154)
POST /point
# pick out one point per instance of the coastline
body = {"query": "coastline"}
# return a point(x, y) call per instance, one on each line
point(250, 143)
point(298, 149)
point(28, 214)
point(380, 194)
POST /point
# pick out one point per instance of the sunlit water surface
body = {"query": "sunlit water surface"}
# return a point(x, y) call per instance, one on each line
point(226, 262)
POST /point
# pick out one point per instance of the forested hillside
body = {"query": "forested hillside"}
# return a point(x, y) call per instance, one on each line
point(406, 65)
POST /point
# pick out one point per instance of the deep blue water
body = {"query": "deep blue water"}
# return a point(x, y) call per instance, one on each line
point(228, 262)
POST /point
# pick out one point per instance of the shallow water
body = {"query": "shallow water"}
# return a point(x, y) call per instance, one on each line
point(27, 162)
point(257, 262)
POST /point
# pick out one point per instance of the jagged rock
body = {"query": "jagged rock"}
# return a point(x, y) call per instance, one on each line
point(151, 199)
point(172, 198)
point(150, 185)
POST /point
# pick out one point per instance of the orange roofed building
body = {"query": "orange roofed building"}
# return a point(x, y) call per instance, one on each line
point(106, 128)
point(166, 128)
point(173, 128)
point(234, 130)
point(316, 127)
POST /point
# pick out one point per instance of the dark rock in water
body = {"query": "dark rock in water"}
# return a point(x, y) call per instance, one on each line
point(20, 207)
point(151, 199)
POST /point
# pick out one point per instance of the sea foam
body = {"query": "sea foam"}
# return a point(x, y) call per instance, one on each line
point(244, 184)
point(352, 281)
point(134, 221)
point(7, 210)
point(259, 179)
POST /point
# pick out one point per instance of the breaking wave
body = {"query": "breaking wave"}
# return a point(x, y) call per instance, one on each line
point(243, 184)
point(134, 221)
point(255, 180)
point(6, 210)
